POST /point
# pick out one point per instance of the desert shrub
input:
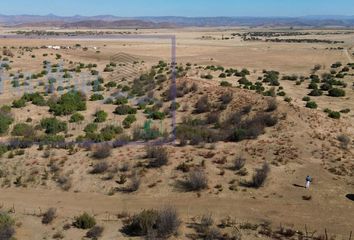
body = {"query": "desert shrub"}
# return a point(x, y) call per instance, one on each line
point(238, 163)
point(213, 117)
point(22, 129)
point(3, 149)
point(313, 85)
point(108, 133)
point(84, 221)
point(311, 104)
point(76, 117)
point(68, 103)
point(156, 115)
point(167, 222)
point(49, 216)
point(336, 92)
point(101, 116)
point(333, 114)
point(344, 141)
point(102, 151)
point(90, 128)
point(260, 176)
point(95, 232)
point(53, 125)
point(64, 182)
point(125, 110)
point(226, 98)
point(96, 97)
point(20, 103)
point(306, 99)
point(5, 121)
point(120, 100)
point(316, 93)
point(347, 110)
point(141, 224)
point(127, 122)
point(272, 105)
point(162, 224)
point(157, 156)
point(6, 226)
point(134, 184)
point(35, 98)
point(225, 84)
point(99, 168)
point(202, 105)
point(196, 180)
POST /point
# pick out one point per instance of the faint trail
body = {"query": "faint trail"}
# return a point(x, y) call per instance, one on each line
point(348, 55)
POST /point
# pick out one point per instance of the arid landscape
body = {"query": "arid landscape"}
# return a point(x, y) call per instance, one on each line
point(104, 136)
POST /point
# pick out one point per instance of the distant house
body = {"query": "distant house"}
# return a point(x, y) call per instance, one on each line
point(56, 47)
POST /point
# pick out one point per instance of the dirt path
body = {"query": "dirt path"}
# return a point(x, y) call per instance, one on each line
point(346, 51)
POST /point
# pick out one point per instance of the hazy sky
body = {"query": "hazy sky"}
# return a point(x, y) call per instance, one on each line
point(129, 8)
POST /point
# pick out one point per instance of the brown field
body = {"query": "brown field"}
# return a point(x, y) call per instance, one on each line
point(302, 142)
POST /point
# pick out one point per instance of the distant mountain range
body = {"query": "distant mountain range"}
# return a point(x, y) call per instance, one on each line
point(110, 21)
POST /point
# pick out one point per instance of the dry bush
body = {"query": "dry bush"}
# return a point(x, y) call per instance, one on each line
point(152, 223)
point(64, 182)
point(226, 98)
point(157, 156)
point(49, 216)
point(133, 185)
point(260, 176)
point(102, 151)
point(95, 232)
point(202, 105)
point(168, 222)
point(196, 180)
point(58, 235)
point(99, 168)
point(238, 163)
point(272, 105)
point(344, 141)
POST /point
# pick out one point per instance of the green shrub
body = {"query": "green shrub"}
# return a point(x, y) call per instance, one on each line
point(53, 125)
point(6, 226)
point(128, 121)
point(120, 101)
point(101, 116)
point(68, 103)
point(35, 98)
point(311, 104)
point(306, 99)
point(5, 121)
point(3, 149)
point(335, 115)
point(96, 97)
point(20, 103)
point(125, 110)
point(22, 129)
point(157, 115)
point(336, 92)
point(90, 128)
point(110, 132)
point(76, 117)
point(316, 92)
point(84, 221)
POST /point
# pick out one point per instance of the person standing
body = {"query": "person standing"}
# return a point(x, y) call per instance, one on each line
point(308, 181)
